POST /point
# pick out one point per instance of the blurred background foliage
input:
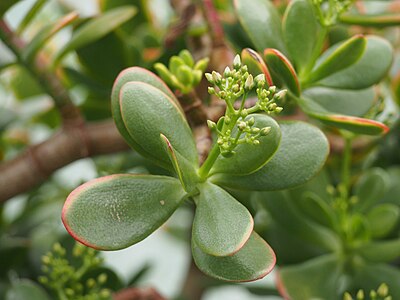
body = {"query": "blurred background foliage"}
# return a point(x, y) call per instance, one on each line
point(87, 43)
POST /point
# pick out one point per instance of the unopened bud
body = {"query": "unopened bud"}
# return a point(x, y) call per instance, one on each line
point(227, 120)
point(235, 88)
point(360, 295)
point(281, 94)
point(211, 90)
point(211, 125)
point(216, 77)
point(237, 62)
point(255, 130)
point(227, 72)
point(251, 121)
point(383, 290)
point(260, 78)
point(256, 142)
point(278, 109)
point(249, 84)
point(347, 296)
point(272, 89)
point(209, 77)
point(244, 113)
point(264, 131)
point(242, 125)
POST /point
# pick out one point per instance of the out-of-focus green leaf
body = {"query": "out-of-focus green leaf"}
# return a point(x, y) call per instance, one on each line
point(117, 211)
point(296, 161)
point(39, 40)
point(345, 102)
point(262, 23)
point(5, 5)
point(376, 20)
point(318, 278)
point(249, 158)
point(343, 56)
point(281, 67)
point(370, 188)
point(221, 225)
point(381, 251)
point(253, 261)
point(382, 219)
point(32, 12)
point(368, 70)
point(23, 84)
point(300, 28)
point(26, 289)
point(158, 114)
point(255, 64)
point(96, 28)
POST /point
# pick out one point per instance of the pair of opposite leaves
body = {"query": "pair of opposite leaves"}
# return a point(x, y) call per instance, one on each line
point(114, 212)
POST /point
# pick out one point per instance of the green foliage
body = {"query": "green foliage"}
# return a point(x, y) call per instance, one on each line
point(66, 280)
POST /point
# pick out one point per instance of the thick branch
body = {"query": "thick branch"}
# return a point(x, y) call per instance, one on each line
point(49, 81)
point(38, 162)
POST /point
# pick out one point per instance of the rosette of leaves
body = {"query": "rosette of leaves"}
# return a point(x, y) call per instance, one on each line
point(117, 211)
point(340, 245)
point(335, 86)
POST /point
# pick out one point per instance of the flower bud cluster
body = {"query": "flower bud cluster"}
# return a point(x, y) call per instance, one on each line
point(62, 276)
point(182, 73)
point(232, 83)
point(381, 294)
point(267, 98)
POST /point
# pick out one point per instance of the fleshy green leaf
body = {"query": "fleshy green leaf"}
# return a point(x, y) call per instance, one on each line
point(45, 34)
point(300, 29)
point(318, 278)
point(381, 251)
point(382, 219)
point(375, 20)
point(253, 261)
point(221, 225)
point(146, 113)
point(249, 158)
point(97, 28)
point(186, 171)
point(296, 161)
point(368, 70)
point(26, 289)
point(256, 65)
point(282, 68)
point(336, 101)
point(287, 215)
point(117, 211)
point(262, 23)
point(370, 188)
point(338, 59)
point(353, 124)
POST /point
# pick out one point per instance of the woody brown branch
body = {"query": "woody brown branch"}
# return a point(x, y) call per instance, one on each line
point(38, 162)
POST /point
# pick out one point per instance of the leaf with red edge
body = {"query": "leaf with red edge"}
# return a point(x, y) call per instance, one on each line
point(353, 124)
point(282, 68)
point(256, 65)
point(252, 262)
point(114, 212)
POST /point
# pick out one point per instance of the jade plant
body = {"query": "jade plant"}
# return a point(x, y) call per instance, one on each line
point(251, 152)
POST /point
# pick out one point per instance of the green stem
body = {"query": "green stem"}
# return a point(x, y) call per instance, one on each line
point(209, 162)
point(346, 166)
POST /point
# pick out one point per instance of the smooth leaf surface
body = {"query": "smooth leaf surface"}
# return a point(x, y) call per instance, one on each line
point(381, 251)
point(382, 219)
point(337, 101)
point(296, 161)
point(26, 289)
point(186, 171)
point(318, 278)
point(256, 64)
point(97, 28)
point(117, 211)
point(262, 23)
point(249, 158)
point(338, 59)
point(253, 261)
point(300, 28)
point(221, 225)
point(370, 188)
point(146, 113)
point(368, 70)
point(375, 20)
point(282, 68)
